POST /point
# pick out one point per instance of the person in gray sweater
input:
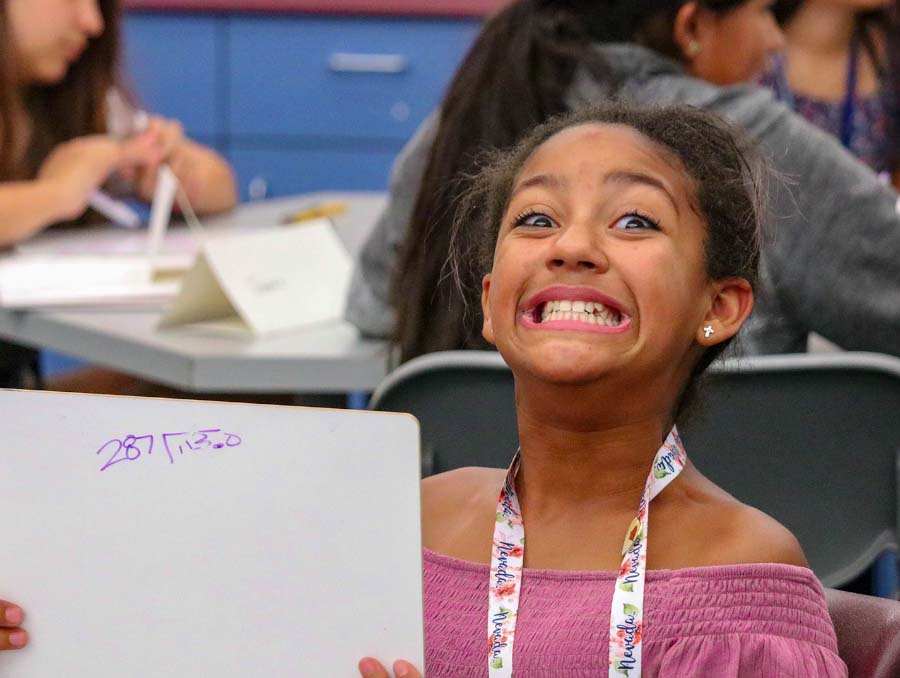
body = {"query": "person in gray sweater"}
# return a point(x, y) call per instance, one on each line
point(831, 260)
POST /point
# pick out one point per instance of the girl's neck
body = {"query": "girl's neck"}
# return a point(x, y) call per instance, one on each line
point(576, 459)
point(822, 29)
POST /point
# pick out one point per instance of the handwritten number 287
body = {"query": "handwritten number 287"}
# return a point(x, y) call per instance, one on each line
point(131, 447)
point(128, 449)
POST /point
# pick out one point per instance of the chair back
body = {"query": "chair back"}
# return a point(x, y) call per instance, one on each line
point(465, 404)
point(868, 633)
point(807, 438)
point(810, 440)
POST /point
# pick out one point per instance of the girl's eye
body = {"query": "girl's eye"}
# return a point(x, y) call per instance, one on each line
point(632, 222)
point(536, 220)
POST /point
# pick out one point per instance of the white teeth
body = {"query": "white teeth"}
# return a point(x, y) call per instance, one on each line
point(588, 312)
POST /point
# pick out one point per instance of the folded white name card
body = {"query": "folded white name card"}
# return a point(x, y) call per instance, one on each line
point(268, 281)
point(151, 538)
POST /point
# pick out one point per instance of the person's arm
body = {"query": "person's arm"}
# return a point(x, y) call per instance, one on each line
point(833, 258)
point(369, 298)
point(64, 183)
point(28, 206)
point(206, 177)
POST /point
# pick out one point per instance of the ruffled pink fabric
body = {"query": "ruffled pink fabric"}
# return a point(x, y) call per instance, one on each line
point(747, 621)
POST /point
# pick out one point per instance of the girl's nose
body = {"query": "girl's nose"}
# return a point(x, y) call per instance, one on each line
point(577, 248)
point(90, 18)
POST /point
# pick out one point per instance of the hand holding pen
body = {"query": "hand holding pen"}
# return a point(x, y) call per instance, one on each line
point(167, 138)
point(76, 169)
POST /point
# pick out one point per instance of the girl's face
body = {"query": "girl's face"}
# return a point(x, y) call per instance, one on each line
point(50, 35)
point(599, 266)
point(735, 46)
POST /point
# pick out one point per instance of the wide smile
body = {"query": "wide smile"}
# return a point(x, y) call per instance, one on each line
point(566, 308)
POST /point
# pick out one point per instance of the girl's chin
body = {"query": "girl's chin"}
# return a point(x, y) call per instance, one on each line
point(570, 367)
point(50, 73)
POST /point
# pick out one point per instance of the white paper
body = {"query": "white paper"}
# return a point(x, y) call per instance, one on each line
point(274, 280)
point(57, 281)
point(291, 550)
point(178, 248)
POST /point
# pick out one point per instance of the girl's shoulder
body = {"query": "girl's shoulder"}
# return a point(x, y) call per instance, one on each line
point(728, 532)
point(457, 510)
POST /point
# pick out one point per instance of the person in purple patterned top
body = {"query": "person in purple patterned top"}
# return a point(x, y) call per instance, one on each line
point(836, 72)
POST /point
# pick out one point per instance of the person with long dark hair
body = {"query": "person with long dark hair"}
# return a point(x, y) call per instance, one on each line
point(838, 72)
point(69, 125)
point(832, 265)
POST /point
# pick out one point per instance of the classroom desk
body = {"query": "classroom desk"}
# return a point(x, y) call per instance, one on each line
point(328, 358)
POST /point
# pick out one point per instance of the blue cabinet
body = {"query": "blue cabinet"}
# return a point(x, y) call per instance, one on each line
point(364, 78)
point(264, 172)
point(296, 102)
point(171, 62)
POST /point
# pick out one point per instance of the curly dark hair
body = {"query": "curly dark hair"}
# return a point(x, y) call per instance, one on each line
point(728, 173)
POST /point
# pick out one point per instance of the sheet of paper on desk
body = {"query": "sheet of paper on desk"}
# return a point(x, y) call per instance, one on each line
point(178, 248)
point(150, 537)
point(268, 281)
point(33, 281)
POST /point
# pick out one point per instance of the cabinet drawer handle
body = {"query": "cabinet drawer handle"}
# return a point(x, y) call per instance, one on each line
point(352, 62)
point(258, 188)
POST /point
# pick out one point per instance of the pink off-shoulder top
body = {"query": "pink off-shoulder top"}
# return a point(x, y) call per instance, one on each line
point(746, 621)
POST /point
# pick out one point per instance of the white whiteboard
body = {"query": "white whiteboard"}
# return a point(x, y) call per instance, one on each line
point(287, 543)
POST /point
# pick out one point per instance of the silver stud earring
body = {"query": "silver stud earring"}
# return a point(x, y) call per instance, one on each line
point(693, 48)
point(708, 331)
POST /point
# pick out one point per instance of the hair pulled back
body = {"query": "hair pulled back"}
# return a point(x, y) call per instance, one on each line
point(724, 166)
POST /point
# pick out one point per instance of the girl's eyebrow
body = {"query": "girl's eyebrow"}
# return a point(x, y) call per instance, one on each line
point(546, 180)
point(631, 177)
point(556, 182)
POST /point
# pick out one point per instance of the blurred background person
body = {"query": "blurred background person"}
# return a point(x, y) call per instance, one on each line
point(832, 267)
point(68, 127)
point(838, 71)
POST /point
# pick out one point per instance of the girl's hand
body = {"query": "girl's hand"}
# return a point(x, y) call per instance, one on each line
point(206, 178)
point(12, 637)
point(168, 140)
point(371, 668)
point(78, 167)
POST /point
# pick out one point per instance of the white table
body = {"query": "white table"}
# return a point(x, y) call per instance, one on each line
point(329, 358)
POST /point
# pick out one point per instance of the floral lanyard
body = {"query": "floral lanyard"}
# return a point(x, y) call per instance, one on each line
point(626, 618)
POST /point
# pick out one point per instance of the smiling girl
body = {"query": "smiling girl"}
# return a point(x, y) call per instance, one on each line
point(621, 250)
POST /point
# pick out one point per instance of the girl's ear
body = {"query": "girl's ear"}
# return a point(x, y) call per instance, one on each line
point(486, 330)
point(731, 304)
point(687, 31)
